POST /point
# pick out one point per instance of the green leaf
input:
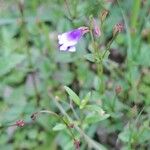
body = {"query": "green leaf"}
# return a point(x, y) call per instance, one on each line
point(125, 135)
point(93, 118)
point(135, 13)
point(7, 63)
point(73, 95)
point(143, 56)
point(106, 56)
point(95, 108)
point(59, 127)
point(90, 57)
point(85, 100)
point(65, 77)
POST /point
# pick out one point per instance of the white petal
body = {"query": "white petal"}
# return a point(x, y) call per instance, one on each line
point(63, 48)
point(72, 49)
point(59, 36)
point(63, 39)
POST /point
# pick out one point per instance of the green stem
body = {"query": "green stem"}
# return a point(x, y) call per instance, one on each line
point(108, 45)
point(98, 58)
point(114, 102)
point(129, 39)
point(90, 141)
point(61, 119)
point(33, 77)
point(29, 57)
point(68, 8)
point(74, 112)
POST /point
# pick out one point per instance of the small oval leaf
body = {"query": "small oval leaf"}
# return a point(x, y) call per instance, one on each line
point(59, 127)
point(73, 95)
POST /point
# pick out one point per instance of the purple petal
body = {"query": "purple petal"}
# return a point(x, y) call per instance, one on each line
point(75, 34)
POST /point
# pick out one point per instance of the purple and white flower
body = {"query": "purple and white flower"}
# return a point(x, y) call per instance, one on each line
point(68, 40)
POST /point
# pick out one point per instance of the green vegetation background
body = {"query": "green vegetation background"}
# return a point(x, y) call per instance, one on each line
point(31, 64)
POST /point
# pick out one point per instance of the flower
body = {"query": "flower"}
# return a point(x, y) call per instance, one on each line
point(68, 40)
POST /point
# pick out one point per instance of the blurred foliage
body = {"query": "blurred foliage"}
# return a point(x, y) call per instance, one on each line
point(31, 65)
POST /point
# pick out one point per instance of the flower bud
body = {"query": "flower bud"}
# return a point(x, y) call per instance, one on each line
point(103, 15)
point(118, 89)
point(21, 6)
point(71, 125)
point(119, 27)
point(97, 31)
point(77, 144)
point(20, 123)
